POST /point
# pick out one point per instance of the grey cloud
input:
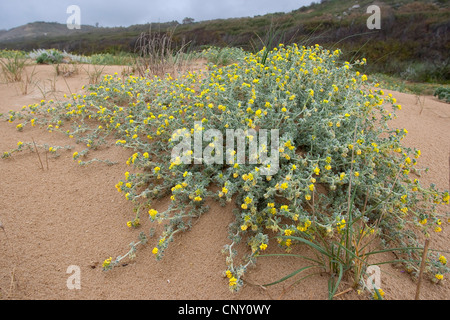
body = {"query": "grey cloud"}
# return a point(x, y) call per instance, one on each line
point(125, 13)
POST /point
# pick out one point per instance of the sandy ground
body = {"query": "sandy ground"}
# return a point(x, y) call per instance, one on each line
point(73, 216)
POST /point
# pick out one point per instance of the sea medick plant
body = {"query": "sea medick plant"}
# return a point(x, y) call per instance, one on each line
point(343, 171)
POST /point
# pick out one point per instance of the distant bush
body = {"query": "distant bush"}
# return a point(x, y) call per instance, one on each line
point(53, 56)
point(12, 66)
point(121, 58)
point(50, 57)
point(223, 56)
point(12, 54)
point(443, 94)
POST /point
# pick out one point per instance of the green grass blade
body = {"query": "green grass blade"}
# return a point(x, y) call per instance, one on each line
point(290, 255)
point(311, 244)
point(333, 286)
point(291, 275)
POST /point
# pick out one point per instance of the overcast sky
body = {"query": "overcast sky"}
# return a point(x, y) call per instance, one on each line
point(14, 13)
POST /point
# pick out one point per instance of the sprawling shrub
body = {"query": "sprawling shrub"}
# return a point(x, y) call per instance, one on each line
point(342, 178)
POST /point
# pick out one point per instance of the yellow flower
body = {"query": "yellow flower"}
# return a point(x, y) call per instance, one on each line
point(152, 213)
point(263, 246)
point(341, 225)
point(284, 186)
point(233, 281)
point(439, 277)
point(446, 198)
point(157, 169)
point(107, 263)
point(443, 260)
point(308, 197)
point(317, 171)
point(155, 251)
point(311, 187)
point(75, 155)
point(380, 293)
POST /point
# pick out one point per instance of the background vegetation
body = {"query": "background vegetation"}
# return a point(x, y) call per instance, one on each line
point(412, 43)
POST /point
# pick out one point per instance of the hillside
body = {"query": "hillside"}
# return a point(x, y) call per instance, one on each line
point(412, 42)
point(41, 29)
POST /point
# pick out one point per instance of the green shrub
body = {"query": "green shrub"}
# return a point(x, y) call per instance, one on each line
point(50, 57)
point(443, 93)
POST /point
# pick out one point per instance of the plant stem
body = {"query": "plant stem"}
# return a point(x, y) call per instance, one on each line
point(422, 267)
point(40, 161)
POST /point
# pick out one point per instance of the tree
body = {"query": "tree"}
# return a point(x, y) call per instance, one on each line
point(188, 20)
